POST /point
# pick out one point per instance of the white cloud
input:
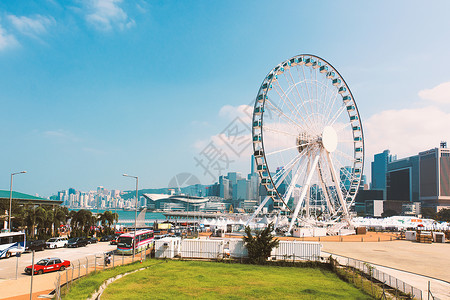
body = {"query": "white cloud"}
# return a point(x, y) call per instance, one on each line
point(439, 94)
point(32, 26)
point(60, 135)
point(105, 15)
point(7, 40)
point(244, 112)
point(406, 132)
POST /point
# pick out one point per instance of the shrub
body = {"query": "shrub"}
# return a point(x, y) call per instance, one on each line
point(260, 246)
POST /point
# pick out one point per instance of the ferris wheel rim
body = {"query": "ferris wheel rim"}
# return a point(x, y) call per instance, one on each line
point(268, 80)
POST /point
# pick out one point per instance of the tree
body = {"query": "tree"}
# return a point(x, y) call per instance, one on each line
point(428, 213)
point(443, 215)
point(389, 213)
point(260, 246)
point(81, 222)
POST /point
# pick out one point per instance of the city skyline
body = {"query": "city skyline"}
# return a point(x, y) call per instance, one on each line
point(93, 89)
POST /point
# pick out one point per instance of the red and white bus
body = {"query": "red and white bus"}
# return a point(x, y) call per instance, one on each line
point(126, 242)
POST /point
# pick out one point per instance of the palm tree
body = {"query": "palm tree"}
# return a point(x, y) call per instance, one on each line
point(115, 218)
point(41, 220)
point(107, 218)
point(57, 215)
point(81, 221)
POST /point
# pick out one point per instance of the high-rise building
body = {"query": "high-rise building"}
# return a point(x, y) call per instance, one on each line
point(379, 170)
point(243, 189)
point(402, 179)
point(434, 166)
point(224, 187)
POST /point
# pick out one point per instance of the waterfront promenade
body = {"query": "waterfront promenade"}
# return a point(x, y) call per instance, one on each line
point(411, 262)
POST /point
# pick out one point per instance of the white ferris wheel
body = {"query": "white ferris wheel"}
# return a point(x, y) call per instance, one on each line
point(308, 141)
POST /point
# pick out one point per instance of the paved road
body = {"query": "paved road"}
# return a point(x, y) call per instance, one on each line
point(8, 266)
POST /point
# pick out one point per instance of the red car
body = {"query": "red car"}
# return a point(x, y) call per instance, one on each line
point(48, 265)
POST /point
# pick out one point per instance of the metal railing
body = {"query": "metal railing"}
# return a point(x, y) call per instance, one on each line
point(356, 268)
point(101, 261)
point(397, 286)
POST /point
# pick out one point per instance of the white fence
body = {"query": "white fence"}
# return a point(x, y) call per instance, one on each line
point(234, 248)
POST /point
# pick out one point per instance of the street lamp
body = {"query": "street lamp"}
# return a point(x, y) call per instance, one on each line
point(135, 211)
point(10, 198)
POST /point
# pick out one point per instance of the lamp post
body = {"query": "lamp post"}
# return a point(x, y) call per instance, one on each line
point(135, 211)
point(10, 198)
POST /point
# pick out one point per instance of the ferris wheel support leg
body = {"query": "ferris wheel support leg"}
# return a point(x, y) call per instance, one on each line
point(304, 190)
point(292, 185)
point(325, 191)
point(258, 210)
point(338, 188)
point(277, 184)
point(308, 192)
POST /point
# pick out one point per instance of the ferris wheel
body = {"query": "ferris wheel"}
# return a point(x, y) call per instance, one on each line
point(308, 141)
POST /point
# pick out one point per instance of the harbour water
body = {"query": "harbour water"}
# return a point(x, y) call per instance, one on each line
point(129, 214)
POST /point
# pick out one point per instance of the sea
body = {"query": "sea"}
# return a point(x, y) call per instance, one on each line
point(128, 214)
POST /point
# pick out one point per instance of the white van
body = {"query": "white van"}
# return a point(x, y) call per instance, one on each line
point(56, 242)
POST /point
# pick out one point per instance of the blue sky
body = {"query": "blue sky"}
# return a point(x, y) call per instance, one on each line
point(93, 89)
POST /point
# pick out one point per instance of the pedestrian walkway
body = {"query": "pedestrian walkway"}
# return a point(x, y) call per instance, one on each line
point(20, 288)
point(439, 288)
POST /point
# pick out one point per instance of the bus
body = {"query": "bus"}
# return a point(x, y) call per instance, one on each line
point(126, 243)
point(11, 243)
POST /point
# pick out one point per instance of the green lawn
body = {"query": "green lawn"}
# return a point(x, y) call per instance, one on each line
point(210, 280)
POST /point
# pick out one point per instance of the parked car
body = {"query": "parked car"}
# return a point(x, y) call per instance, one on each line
point(106, 238)
point(34, 245)
point(160, 236)
point(56, 242)
point(92, 240)
point(48, 265)
point(77, 242)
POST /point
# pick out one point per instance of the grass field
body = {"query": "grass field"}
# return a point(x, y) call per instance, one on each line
point(211, 280)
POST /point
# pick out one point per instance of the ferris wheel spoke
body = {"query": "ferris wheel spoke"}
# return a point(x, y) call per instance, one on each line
point(285, 149)
point(345, 170)
point(266, 128)
point(317, 90)
point(337, 185)
point(299, 96)
point(336, 115)
point(287, 168)
point(345, 155)
point(291, 104)
point(342, 165)
point(330, 108)
point(281, 113)
point(308, 92)
point(325, 82)
point(342, 127)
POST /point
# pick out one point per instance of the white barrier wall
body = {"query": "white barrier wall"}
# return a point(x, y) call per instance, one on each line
point(167, 247)
point(305, 232)
point(237, 248)
point(202, 248)
point(290, 250)
point(296, 250)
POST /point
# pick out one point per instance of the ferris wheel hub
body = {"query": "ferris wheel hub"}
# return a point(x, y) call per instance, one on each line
point(329, 139)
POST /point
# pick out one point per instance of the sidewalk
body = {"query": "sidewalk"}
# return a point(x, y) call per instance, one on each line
point(414, 263)
point(45, 283)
